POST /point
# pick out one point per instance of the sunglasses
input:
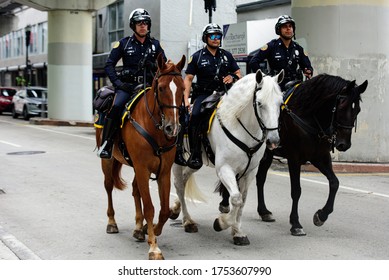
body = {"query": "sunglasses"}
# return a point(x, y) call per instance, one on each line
point(215, 36)
point(142, 22)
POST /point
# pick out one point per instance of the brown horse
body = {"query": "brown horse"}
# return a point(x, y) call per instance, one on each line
point(149, 135)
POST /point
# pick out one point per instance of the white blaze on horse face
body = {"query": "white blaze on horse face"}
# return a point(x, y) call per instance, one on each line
point(173, 88)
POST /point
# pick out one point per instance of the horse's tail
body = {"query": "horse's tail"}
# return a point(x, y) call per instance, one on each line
point(220, 188)
point(192, 191)
point(118, 181)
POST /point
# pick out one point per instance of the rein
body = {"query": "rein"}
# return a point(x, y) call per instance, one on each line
point(330, 132)
point(158, 150)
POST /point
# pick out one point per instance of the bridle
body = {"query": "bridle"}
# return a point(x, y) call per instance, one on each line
point(161, 105)
point(330, 133)
point(158, 150)
point(250, 151)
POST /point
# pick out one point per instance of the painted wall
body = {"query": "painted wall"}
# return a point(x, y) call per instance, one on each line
point(348, 38)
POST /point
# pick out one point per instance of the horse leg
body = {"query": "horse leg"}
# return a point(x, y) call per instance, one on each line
point(263, 168)
point(181, 178)
point(238, 236)
point(225, 220)
point(138, 232)
point(294, 172)
point(108, 185)
point(325, 167)
point(164, 197)
point(142, 180)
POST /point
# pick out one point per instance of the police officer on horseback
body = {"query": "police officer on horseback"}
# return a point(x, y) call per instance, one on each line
point(215, 70)
point(284, 53)
point(138, 53)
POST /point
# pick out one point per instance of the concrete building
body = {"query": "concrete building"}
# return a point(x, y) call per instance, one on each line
point(343, 37)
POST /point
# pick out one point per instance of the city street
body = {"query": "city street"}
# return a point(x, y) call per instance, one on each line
point(53, 201)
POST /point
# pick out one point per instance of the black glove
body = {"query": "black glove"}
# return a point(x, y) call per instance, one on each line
point(147, 64)
point(126, 87)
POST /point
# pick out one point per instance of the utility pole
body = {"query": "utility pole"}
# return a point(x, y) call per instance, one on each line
point(28, 70)
point(210, 5)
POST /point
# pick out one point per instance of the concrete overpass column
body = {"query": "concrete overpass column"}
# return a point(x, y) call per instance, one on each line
point(70, 65)
point(347, 38)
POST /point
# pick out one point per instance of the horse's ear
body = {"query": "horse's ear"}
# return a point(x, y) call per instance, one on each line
point(362, 87)
point(160, 61)
point(258, 76)
point(280, 76)
point(180, 65)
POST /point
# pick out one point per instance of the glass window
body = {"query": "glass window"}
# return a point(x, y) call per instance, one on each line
point(116, 22)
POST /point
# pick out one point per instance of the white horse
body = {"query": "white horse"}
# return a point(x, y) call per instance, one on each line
point(246, 118)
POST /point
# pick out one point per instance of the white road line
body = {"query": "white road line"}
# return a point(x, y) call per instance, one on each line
point(340, 186)
point(11, 144)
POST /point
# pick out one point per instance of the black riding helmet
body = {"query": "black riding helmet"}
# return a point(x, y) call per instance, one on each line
point(211, 28)
point(282, 20)
point(138, 15)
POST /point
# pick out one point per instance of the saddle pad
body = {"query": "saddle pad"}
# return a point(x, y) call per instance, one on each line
point(211, 118)
point(288, 95)
point(131, 104)
point(99, 120)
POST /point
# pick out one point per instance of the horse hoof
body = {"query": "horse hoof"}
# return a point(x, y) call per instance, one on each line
point(267, 218)
point(224, 209)
point(112, 229)
point(139, 235)
point(241, 241)
point(216, 225)
point(191, 228)
point(297, 232)
point(155, 256)
point(174, 216)
point(316, 220)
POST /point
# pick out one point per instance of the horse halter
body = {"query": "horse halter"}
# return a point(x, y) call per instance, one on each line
point(162, 105)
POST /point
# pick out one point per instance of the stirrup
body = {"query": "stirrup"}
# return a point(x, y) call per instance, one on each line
point(103, 153)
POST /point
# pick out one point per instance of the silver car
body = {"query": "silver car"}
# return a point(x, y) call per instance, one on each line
point(28, 102)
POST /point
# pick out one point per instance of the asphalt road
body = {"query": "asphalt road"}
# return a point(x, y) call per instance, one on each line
point(53, 201)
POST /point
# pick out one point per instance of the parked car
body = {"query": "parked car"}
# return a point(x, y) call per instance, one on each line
point(31, 101)
point(6, 94)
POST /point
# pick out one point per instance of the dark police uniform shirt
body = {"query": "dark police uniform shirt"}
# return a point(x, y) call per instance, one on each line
point(280, 57)
point(131, 51)
point(204, 65)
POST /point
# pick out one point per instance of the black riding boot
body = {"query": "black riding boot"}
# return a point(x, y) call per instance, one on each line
point(195, 160)
point(109, 130)
point(180, 160)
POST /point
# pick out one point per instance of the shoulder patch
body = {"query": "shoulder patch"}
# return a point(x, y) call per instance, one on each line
point(190, 59)
point(265, 47)
point(117, 44)
point(306, 53)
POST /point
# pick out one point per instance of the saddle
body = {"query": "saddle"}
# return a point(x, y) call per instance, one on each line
point(106, 99)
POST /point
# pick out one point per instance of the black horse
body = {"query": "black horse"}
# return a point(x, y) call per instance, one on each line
point(318, 116)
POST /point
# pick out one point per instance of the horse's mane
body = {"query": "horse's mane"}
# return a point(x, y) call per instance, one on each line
point(237, 98)
point(241, 94)
point(310, 96)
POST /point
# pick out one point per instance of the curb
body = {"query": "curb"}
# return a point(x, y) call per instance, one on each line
point(338, 167)
point(9, 245)
point(47, 121)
